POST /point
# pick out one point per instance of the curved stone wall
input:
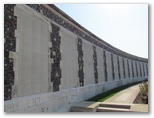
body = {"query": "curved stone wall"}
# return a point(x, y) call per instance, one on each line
point(51, 62)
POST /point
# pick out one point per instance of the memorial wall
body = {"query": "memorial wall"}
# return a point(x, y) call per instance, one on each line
point(51, 62)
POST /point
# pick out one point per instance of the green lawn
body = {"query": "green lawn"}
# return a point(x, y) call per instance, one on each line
point(103, 96)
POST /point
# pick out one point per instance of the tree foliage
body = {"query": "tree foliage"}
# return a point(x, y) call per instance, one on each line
point(144, 91)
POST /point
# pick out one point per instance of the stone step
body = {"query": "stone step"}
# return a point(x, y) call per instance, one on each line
point(114, 105)
point(108, 109)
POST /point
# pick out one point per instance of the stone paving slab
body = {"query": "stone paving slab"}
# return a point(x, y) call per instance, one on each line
point(139, 108)
point(85, 106)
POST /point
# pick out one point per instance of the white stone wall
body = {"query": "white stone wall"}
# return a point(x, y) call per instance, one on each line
point(100, 65)
point(109, 66)
point(145, 70)
point(33, 90)
point(126, 68)
point(135, 75)
point(32, 61)
point(69, 61)
point(115, 67)
point(147, 65)
point(88, 63)
point(142, 69)
point(130, 68)
point(121, 67)
point(138, 68)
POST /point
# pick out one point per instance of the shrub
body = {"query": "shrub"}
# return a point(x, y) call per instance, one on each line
point(144, 91)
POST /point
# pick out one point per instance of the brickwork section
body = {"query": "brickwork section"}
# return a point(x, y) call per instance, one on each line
point(118, 67)
point(80, 62)
point(112, 62)
point(132, 68)
point(95, 64)
point(10, 25)
point(56, 56)
point(123, 67)
point(105, 65)
point(128, 68)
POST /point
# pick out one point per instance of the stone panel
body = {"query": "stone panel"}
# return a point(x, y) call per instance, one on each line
point(100, 65)
point(138, 69)
point(140, 66)
point(121, 67)
point(135, 69)
point(145, 69)
point(69, 61)
point(88, 63)
point(33, 55)
point(115, 67)
point(142, 69)
point(130, 68)
point(109, 66)
point(126, 68)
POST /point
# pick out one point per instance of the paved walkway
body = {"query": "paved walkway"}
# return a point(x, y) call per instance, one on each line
point(128, 96)
point(125, 96)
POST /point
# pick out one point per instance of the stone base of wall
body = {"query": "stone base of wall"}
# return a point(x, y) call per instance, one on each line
point(62, 101)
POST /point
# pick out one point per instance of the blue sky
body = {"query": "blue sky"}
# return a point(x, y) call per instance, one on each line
point(124, 26)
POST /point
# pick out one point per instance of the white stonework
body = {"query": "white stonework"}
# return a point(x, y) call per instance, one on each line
point(138, 68)
point(145, 69)
point(88, 63)
point(142, 69)
point(130, 68)
point(109, 66)
point(69, 61)
point(147, 65)
point(115, 67)
point(33, 55)
point(100, 65)
point(126, 68)
point(135, 75)
point(121, 68)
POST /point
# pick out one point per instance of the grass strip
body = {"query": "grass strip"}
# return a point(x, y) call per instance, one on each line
point(106, 95)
